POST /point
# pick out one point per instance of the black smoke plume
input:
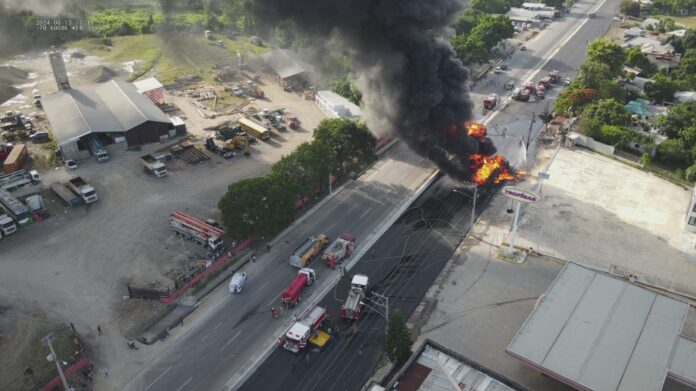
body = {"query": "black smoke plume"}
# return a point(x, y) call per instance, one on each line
point(414, 85)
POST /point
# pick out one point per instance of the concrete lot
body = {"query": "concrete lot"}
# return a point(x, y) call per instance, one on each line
point(606, 214)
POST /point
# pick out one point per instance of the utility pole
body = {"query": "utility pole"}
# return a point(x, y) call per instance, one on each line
point(473, 209)
point(513, 235)
point(330, 183)
point(529, 135)
point(47, 342)
point(381, 305)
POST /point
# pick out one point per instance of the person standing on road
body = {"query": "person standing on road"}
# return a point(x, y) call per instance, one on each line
point(105, 371)
point(268, 247)
point(99, 330)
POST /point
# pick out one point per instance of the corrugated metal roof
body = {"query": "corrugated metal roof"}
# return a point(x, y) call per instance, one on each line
point(111, 107)
point(601, 332)
point(683, 365)
point(148, 84)
point(285, 63)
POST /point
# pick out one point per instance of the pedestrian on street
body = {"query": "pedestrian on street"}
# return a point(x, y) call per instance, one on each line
point(268, 247)
point(105, 371)
point(99, 330)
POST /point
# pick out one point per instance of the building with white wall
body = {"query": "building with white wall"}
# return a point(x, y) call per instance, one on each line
point(336, 106)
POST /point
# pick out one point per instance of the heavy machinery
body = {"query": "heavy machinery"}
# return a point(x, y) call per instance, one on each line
point(352, 307)
point(306, 329)
point(339, 250)
point(303, 254)
point(293, 293)
point(97, 148)
point(196, 230)
point(490, 101)
point(80, 187)
point(238, 142)
point(154, 166)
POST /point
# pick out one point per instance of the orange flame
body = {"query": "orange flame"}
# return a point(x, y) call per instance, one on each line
point(486, 167)
point(476, 130)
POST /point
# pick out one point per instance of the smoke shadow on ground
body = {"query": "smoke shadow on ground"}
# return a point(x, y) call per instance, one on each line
point(275, 136)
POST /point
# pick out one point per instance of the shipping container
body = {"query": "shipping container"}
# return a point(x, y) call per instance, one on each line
point(15, 160)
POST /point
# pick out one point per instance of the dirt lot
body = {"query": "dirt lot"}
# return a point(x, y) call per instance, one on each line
point(74, 266)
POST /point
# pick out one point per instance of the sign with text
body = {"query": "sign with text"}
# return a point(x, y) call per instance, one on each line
point(521, 195)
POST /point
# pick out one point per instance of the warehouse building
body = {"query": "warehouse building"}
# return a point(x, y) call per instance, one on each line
point(290, 70)
point(594, 331)
point(114, 111)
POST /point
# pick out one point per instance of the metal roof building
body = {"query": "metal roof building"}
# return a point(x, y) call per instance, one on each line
point(433, 367)
point(336, 106)
point(288, 66)
point(114, 110)
point(594, 331)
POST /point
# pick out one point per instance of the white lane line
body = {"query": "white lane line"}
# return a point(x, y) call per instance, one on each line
point(160, 376)
point(230, 341)
point(184, 385)
point(274, 299)
point(204, 337)
point(404, 176)
point(217, 325)
point(261, 287)
point(365, 212)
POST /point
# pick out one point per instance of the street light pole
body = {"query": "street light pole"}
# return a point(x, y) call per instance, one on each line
point(47, 341)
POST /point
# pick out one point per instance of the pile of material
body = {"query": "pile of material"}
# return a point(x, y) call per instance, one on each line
point(189, 153)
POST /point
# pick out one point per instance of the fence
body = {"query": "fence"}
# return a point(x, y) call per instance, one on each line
point(147, 294)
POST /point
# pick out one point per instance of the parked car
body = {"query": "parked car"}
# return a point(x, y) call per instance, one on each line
point(523, 47)
point(71, 164)
point(567, 81)
point(237, 282)
point(39, 137)
point(503, 67)
point(497, 70)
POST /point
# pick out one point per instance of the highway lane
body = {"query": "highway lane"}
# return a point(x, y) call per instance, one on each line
point(213, 350)
point(402, 265)
point(348, 362)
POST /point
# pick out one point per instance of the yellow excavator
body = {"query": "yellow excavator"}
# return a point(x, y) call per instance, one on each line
point(238, 142)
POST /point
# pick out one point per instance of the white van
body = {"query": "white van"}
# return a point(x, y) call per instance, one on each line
point(237, 282)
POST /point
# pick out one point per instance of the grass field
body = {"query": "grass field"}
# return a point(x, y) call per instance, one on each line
point(188, 54)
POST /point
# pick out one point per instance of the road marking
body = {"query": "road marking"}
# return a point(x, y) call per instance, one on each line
point(261, 287)
point(204, 337)
point(230, 341)
point(365, 212)
point(217, 325)
point(160, 376)
point(184, 385)
point(273, 300)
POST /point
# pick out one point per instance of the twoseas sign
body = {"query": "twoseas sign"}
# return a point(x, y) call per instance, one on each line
point(519, 194)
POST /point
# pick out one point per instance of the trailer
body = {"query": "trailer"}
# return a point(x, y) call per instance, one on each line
point(339, 250)
point(293, 293)
point(15, 180)
point(196, 230)
point(352, 308)
point(307, 327)
point(255, 128)
point(15, 208)
point(66, 195)
point(80, 187)
point(15, 159)
point(154, 166)
point(97, 148)
point(304, 253)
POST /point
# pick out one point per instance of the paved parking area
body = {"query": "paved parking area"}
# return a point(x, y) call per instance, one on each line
point(606, 214)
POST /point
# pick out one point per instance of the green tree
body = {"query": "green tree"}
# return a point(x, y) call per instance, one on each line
point(608, 112)
point(306, 169)
point(398, 342)
point(573, 98)
point(690, 173)
point(490, 6)
point(467, 21)
point(630, 8)
point(607, 52)
point(673, 153)
point(662, 88)
point(614, 135)
point(348, 90)
point(470, 50)
point(682, 44)
point(681, 116)
point(546, 116)
point(492, 29)
point(350, 143)
point(594, 74)
point(636, 58)
point(257, 206)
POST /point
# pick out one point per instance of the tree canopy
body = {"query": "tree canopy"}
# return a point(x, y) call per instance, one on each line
point(608, 112)
point(607, 52)
point(398, 342)
point(630, 8)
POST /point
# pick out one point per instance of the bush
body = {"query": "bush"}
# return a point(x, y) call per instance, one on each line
point(672, 152)
point(690, 173)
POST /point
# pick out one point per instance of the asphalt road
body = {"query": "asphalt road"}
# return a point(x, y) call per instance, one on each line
point(215, 349)
point(407, 259)
point(402, 265)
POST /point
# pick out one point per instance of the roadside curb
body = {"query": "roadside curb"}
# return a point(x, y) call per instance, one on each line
point(238, 379)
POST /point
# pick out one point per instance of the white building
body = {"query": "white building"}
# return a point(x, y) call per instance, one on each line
point(336, 106)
